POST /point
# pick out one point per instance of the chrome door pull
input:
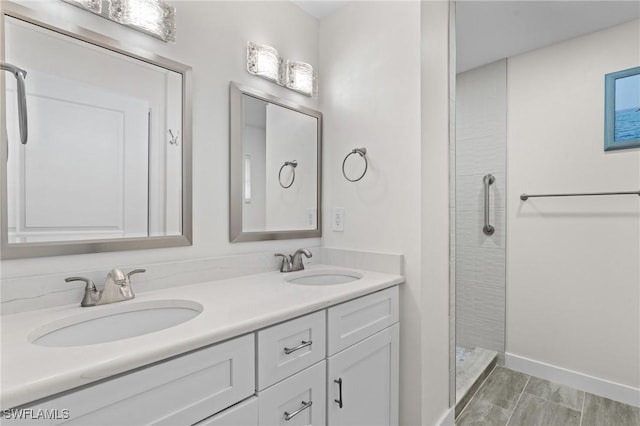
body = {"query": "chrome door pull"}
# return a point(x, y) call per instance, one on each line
point(488, 179)
point(305, 405)
point(302, 344)
point(339, 400)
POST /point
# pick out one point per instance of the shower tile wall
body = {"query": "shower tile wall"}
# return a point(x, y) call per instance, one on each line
point(481, 129)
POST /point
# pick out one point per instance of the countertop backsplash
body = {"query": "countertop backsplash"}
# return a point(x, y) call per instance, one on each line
point(45, 291)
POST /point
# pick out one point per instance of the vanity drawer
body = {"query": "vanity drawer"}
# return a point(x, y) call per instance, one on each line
point(287, 348)
point(182, 390)
point(353, 321)
point(301, 396)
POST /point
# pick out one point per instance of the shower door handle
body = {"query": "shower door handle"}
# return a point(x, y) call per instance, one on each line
point(487, 180)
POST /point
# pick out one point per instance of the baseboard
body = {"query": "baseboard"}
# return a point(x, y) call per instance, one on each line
point(605, 388)
point(448, 418)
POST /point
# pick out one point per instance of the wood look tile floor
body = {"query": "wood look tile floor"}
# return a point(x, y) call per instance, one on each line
point(511, 398)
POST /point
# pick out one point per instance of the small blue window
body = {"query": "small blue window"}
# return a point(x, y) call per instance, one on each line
point(622, 109)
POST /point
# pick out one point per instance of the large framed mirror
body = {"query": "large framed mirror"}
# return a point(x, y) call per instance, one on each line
point(275, 170)
point(107, 162)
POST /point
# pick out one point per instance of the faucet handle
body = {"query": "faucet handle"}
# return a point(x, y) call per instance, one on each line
point(135, 271)
point(286, 262)
point(91, 293)
point(89, 284)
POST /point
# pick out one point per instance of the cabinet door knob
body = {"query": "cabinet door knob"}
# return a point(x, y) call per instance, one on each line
point(305, 405)
point(339, 400)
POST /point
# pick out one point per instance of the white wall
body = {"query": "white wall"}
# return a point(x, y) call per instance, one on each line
point(481, 143)
point(216, 49)
point(369, 93)
point(573, 277)
point(434, 256)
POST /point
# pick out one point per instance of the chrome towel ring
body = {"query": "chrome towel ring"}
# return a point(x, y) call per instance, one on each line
point(293, 164)
point(363, 153)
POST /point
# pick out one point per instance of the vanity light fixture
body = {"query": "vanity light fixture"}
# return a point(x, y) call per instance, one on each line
point(264, 61)
point(94, 6)
point(153, 17)
point(300, 78)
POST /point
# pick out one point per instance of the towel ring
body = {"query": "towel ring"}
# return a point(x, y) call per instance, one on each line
point(363, 153)
point(293, 164)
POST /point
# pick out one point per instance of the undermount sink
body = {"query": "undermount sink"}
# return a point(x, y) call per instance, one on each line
point(115, 322)
point(324, 277)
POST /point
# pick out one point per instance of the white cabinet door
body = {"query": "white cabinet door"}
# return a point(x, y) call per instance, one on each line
point(363, 382)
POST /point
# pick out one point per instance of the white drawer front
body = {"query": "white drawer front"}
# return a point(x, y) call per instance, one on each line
point(302, 397)
point(243, 414)
point(308, 333)
point(182, 390)
point(358, 319)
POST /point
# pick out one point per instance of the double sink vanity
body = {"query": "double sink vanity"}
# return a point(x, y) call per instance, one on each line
point(318, 346)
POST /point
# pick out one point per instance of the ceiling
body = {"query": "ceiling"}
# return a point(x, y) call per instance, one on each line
point(487, 31)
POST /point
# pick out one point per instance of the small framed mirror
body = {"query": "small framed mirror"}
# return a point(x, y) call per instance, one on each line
point(107, 162)
point(275, 170)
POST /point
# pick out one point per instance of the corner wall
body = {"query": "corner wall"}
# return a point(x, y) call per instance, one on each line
point(369, 95)
point(434, 256)
point(573, 274)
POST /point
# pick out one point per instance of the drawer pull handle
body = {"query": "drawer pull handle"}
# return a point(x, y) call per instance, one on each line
point(339, 400)
point(302, 344)
point(305, 405)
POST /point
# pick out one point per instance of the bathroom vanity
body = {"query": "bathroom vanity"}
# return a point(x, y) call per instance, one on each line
point(313, 347)
point(262, 349)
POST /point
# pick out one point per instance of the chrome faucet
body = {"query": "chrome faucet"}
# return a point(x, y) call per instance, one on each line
point(292, 263)
point(117, 287)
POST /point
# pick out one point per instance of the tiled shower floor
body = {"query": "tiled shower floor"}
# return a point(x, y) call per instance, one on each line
point(472, 368)
point(462, 354)
point(511, 398)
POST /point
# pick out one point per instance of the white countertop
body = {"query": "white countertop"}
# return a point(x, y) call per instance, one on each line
point(231, 308)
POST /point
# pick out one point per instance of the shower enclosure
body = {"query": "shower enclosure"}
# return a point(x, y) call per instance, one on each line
point(478, 223)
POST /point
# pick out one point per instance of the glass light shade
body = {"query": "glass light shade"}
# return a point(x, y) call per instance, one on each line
point(94, 6)
point(154, 17)
point(264, 61)
point(300, 77)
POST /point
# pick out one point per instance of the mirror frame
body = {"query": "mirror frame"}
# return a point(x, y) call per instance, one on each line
point(62, 248)
point(236, 234)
